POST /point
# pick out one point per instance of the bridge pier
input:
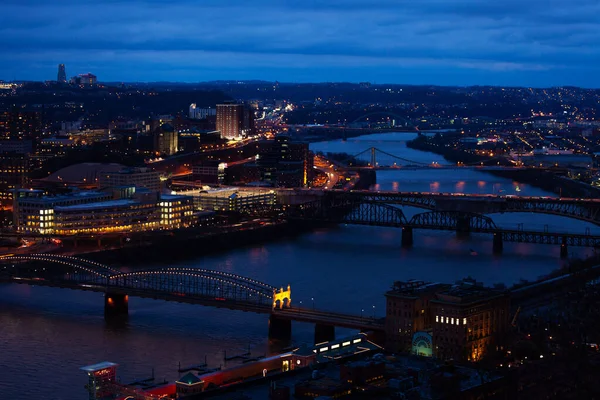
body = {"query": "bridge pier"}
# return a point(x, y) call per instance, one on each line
point(498, 244)
point(564, 250)
point(407, 236)
point(280, 329)
point(116, 304)
point(324, 333)
point(463, 226)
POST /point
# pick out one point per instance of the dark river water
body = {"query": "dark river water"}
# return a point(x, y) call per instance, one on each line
point(47, 334)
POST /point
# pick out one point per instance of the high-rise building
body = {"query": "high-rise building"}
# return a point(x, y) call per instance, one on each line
point(234, 121)
point(62, 74)
point(285, 163)
point(166, 140)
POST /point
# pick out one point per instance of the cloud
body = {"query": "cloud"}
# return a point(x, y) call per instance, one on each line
point(501, 38)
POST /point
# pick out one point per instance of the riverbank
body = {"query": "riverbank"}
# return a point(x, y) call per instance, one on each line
point(182, 246)
point(541, 178)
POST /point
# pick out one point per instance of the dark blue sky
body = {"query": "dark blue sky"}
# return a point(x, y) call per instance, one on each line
point(447, 42)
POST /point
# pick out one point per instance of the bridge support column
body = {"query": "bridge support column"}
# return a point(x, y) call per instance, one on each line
point(564, 250)
point(324, 333)
point(407, 236)
point(116, 305)
point(463, 226)
point(498, 244)
point(280, 329)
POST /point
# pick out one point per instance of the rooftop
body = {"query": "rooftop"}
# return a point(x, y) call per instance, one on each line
point(467, 291)
point(101, 204)
point(98, 367)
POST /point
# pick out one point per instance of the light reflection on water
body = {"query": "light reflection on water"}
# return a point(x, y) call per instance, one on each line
point(47, 334)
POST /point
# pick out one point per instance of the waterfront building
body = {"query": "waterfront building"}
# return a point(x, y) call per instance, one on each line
point(123, 209)
point(123, 215)
point(232, 199)
point(62, 74)
point(176, 211)
point(138, 177)
point(462, 321)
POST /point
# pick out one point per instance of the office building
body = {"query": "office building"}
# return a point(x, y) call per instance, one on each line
point(166, 140)
point(138, 177)
point(18, 124)
point(234, 121)
point(201, 113)
point(123, 209)
point(231, 199)
point(14, 174)
point(62, 74)
point(285, 163)
point(461, 321)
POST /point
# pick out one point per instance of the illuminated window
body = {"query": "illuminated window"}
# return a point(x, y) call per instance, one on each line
point(464, 321)
point(447, 319)
point(452, 321)
point(437, 318)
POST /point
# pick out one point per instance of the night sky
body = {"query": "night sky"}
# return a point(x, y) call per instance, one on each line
point(460, 42)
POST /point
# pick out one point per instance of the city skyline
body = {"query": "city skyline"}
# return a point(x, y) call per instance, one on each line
point(433, 42)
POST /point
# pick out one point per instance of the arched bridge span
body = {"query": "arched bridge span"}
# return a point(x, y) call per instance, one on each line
point(188, 285)
point(582, 209)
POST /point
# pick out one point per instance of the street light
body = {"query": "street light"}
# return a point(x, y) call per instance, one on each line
point(313, 301)
point(373, 312)
point(361, 313)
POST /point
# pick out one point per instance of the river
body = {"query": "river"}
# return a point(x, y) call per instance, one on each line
point(47, 334)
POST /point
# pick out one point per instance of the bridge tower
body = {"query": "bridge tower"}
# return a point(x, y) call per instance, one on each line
point(373, 157)
point(283, 296)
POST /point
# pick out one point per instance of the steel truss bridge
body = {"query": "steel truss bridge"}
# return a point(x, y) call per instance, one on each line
point(374, 158)
point(184, 285)
point(454, 212)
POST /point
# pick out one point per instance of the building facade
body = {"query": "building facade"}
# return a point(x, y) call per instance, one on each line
point(286, 163)
point(166, 140)
point(461, 321)
point(234, 121)
point(138, 177)
point(93, 212)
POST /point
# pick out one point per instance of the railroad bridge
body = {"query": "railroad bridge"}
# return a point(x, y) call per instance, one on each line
point(180, 284)
point(444, 211)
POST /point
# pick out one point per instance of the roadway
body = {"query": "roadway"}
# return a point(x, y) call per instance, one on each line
point(329, 170)
point(329, 318)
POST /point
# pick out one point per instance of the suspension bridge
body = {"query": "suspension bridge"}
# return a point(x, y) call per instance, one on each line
point(374, 158)
point(180, 284)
